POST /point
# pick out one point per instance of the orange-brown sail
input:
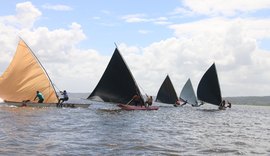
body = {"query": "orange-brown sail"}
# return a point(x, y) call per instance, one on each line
point(24, 76)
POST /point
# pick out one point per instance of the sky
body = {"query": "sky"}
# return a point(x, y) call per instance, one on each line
point(74, 41)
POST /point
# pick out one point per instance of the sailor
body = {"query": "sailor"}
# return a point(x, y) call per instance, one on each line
point(222, 105)
point(177, 103)
point(40, 97)
point(65, 98)
point(136, 99)
point(185, 102)
point(229, 104)
point(149, 101)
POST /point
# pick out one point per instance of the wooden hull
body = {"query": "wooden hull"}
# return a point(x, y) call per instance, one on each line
point(29, 104)
point(129, 107)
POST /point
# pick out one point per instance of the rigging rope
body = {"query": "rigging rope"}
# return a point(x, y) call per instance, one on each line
point(56, 87)
point(142, 89)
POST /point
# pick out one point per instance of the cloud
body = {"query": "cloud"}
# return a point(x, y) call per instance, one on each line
point(56, 49)
point(228, 8)
point(141, 18)
point(161, 21)
point(66, 64)
point(26, 15)
point(144, 31)
point(135, 18)
point(182, 11)
point(58, 7)
point(232, 43)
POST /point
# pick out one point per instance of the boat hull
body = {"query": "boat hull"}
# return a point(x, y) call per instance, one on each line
point(129, 107)
point(29, 104)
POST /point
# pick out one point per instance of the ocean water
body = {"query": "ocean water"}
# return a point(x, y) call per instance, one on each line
point(103, 129)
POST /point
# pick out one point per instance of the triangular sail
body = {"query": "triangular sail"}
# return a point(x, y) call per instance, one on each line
point(166, 93)
point(188, 94)
point(117, 84)
point(208, 89)
point(24, 76)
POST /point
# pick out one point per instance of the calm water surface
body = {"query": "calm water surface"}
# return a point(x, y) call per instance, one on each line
point(102, 129)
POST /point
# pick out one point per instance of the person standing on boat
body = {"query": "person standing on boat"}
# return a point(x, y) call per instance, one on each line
point(222, 105)
point(136, 99)
point(177, 103)
point(229, 104)
point(40, 97)
point(65, 98)
point(149, 101)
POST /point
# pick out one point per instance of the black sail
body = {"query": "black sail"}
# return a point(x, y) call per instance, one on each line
point(166, 93)
point(208, 89)
point(117, 84)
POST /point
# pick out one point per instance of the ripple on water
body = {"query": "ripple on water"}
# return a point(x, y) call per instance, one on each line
point(212, 151)
point(168, 131)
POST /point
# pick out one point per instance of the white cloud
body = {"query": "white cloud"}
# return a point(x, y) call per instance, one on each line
point(225, 8)
point(160, 21)
point(135, 18)
point(231, 43)
point(58, 7)
point(182, 11)
point(69, 67)
point(140, 18)
point(26, 15)
point(144, 31)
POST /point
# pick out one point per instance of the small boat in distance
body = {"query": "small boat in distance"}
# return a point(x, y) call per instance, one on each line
point(188, 95)
point(166, 93)
point(24, 76)
point(118, 86)
point(208, 89)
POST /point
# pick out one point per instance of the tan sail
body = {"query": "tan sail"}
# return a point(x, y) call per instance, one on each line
point(24, 76)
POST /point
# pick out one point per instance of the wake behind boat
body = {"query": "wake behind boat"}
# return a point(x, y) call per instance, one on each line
point(40, 105)
point(24, 76)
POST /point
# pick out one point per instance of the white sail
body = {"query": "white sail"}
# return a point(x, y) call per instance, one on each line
point(188, 94)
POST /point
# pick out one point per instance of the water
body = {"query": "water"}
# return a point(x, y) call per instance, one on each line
point(103, 129)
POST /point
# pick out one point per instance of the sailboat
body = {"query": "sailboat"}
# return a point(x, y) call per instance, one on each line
point(208, 89)
point(24, 76)
point(166, 93)
point(188, 95)
point(117, 85)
